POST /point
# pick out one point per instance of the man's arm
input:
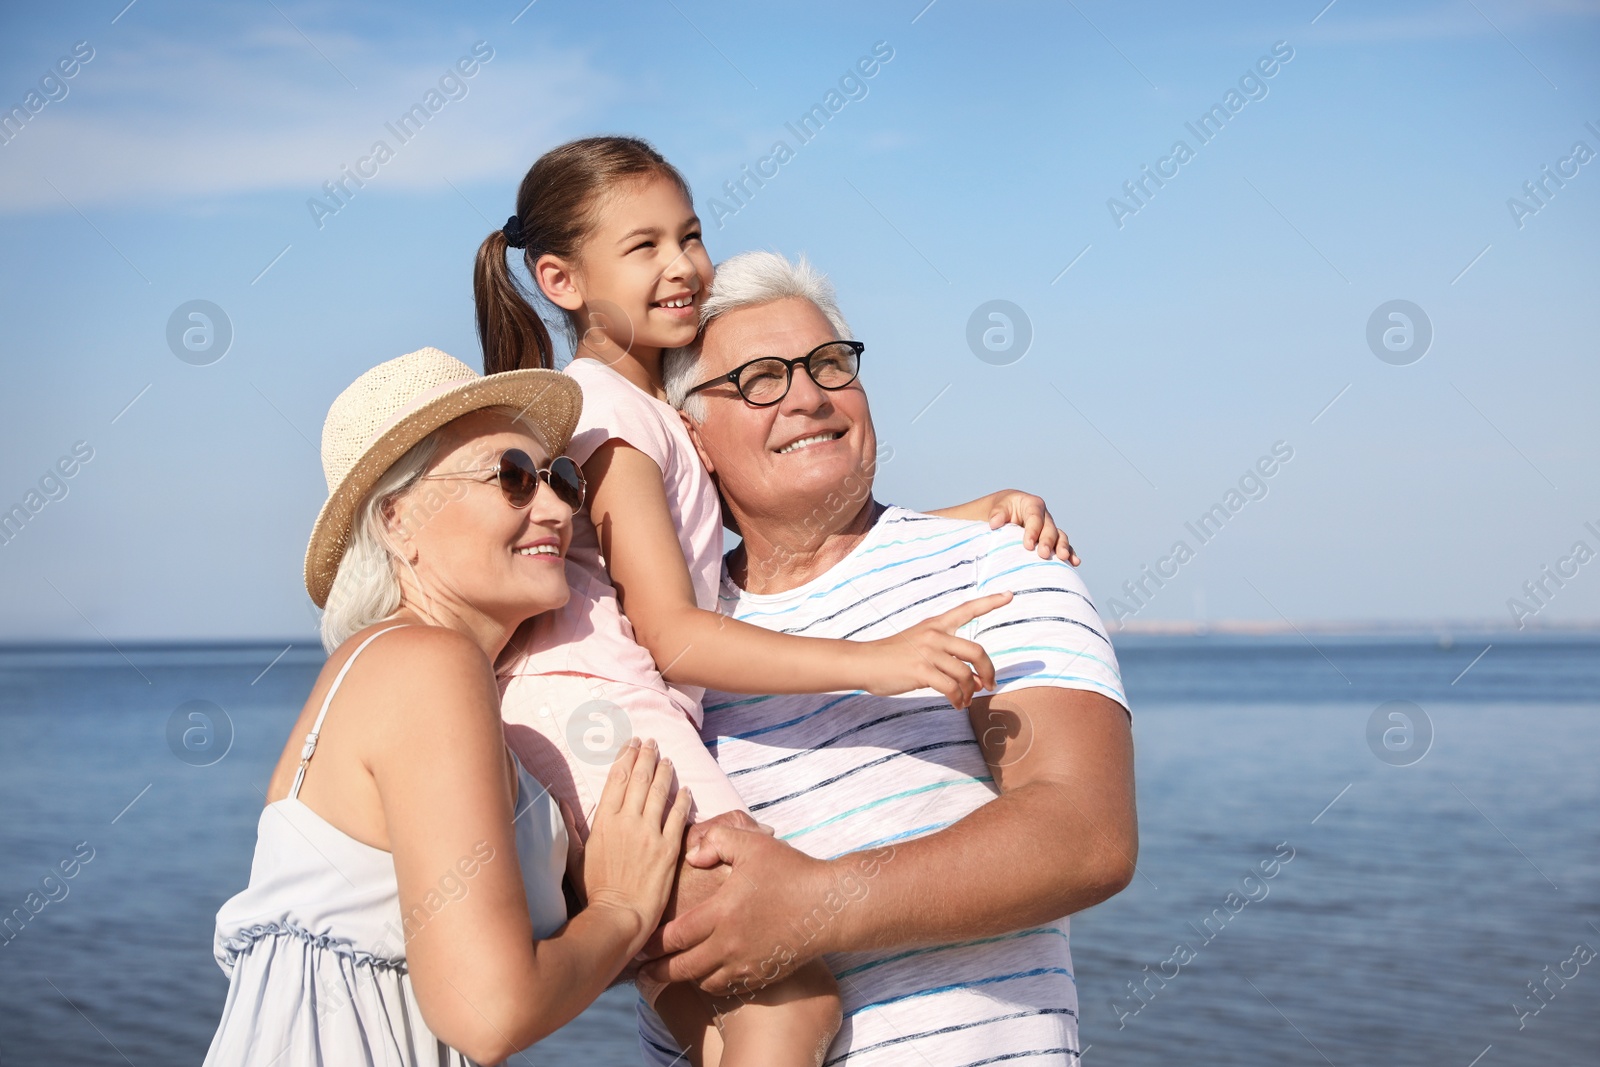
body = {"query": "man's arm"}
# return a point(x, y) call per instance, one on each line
point(1062, 836)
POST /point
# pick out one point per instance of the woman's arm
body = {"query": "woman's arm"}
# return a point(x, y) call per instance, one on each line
point(1019, 509)
point(628, 505)
point(485, 986)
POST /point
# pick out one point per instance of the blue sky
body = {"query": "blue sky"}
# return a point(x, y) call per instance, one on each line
point(1172, 347)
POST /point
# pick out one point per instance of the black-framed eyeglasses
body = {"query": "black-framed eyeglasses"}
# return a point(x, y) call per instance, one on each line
point(765, 381)
point(519, 478)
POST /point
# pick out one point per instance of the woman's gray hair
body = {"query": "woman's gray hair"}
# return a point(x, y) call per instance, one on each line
point(366, 588)
point(746, 280)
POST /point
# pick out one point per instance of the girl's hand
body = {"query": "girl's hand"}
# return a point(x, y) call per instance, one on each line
point(631, 856)
point(930, 656)
point(1038, 528)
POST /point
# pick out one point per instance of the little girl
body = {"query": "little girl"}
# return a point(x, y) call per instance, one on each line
point(608, 231)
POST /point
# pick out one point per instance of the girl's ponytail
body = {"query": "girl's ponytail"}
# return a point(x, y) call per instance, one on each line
point(510, 330)
point(555, 211)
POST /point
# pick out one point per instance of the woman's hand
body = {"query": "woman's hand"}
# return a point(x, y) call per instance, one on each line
point(1038, 527)
point(930, 656)
point(631, 856)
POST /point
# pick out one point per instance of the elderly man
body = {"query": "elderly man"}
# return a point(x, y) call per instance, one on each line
point(930, 855)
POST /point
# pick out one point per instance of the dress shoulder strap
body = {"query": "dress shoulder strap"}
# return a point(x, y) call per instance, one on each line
point(316, 727)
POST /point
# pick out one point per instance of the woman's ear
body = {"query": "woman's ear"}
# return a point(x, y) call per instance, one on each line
point(397, 531)
point(558, 282)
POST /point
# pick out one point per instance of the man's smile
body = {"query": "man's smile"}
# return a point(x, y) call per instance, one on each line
point(809, 440)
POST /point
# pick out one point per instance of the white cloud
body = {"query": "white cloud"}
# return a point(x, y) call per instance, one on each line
point(176, 120)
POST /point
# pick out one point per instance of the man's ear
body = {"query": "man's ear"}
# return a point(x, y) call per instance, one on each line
point(699, 445)
point(558, 282)
point(705, 457)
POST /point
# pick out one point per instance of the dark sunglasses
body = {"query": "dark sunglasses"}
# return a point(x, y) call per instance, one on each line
point(765, 381)
point(519, 478)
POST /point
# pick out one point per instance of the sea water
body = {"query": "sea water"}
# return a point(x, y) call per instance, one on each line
point(1432, 876)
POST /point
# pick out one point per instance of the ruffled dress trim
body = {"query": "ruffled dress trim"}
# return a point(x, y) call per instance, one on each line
point(246, 938)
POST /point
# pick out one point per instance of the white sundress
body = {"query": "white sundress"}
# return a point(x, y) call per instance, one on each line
point(314, 947)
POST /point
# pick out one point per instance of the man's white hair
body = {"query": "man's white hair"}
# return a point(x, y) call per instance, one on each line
point(749, 279)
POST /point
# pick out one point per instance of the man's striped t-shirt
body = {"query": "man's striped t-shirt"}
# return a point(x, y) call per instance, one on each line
point(846, 772)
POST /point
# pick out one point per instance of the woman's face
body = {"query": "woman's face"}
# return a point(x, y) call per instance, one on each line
point(471, 550)
point(643, 271)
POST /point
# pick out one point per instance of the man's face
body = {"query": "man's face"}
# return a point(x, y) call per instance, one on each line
point(815, 447)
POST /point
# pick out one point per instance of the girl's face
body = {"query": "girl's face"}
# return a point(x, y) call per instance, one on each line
point(642, 272)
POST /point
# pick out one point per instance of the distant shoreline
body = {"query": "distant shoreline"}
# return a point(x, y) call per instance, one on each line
point(1416, 630)
point(1424, 628)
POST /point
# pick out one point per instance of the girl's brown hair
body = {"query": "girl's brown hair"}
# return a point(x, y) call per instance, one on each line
point(556, 206)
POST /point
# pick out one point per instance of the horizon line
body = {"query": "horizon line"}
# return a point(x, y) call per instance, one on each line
point(1151, 628)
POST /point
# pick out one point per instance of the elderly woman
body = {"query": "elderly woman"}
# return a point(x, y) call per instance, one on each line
point(406, 903)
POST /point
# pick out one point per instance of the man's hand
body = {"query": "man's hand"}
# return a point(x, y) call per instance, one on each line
point(735, 819)
point(694, 885)
point(773, 914)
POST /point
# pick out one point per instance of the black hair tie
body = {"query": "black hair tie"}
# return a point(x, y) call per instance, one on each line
point(513, 231)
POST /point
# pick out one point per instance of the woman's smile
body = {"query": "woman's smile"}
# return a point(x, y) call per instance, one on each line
point(545, 549)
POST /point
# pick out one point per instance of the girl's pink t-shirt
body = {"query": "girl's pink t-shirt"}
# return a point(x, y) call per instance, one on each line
point(590, 635)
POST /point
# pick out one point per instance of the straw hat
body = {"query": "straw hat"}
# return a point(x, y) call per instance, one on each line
point(395, 405)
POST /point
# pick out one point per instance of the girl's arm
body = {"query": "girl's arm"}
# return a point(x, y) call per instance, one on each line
point(628, 505)
point(1019, 509)
point(485, 986)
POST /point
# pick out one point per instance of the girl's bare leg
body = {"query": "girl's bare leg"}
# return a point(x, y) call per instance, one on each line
point(788, 1024)
point(791, 1022)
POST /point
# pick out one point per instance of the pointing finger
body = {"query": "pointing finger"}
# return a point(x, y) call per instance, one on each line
point(958, 617)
